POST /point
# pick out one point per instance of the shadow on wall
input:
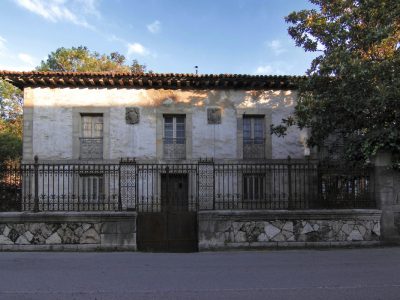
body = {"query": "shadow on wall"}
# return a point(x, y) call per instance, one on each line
point(152, 98)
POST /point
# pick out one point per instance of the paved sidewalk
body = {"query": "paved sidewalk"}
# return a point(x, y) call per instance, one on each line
point(288, 274)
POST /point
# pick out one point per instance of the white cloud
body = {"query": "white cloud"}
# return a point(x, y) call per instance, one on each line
point(276, 68)
point(26, 58)
point(60, 10)
point(276, 46)
point(137, 48)
point(154, 27)
point(89, 7)
point(10, 61)
point(264, 70)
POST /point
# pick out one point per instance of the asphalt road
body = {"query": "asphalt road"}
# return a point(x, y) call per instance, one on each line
point(285, 274)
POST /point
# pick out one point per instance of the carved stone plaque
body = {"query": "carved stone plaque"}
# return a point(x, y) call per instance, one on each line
point(214, 115)
point(132, 115)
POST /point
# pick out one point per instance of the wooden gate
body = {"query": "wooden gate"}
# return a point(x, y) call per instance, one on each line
point(174, 227)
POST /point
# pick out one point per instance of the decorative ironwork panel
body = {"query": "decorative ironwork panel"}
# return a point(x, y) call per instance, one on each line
point(253, 149)
point(174, 148)
point(91, 148)
point(206, 184)
point(128, 185)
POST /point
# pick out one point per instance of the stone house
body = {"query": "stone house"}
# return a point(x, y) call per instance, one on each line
point(127, 142)
point(156, 117)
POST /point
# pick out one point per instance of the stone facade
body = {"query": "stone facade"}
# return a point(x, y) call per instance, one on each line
point(290, 228)
point(52, 121)
point(67, 231)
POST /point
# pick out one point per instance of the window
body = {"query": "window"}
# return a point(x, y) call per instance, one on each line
point(91, 140)
point(253, 137)
point(174, 129)
point(253, 187)
point(174, 137)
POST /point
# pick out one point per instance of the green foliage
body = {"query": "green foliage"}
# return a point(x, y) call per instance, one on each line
point(10, 147)
point(80, 59)
point(10, 101)
point(353, 87)
point(10, 122)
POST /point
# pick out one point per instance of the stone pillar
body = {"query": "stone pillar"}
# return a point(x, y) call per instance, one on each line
point(387, 188)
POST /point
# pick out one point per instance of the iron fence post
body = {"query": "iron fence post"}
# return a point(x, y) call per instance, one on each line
point(213, 180)
point(119, 186)
point(319, 201)
point(167, 186)
point(289, 168)
point(168, 209)
point(36, 182)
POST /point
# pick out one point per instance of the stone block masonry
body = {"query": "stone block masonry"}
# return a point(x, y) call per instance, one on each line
point(257, 229)
point(79, 231)
point(28, 231)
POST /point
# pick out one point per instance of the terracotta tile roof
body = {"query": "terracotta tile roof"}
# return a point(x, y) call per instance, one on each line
point(149, 80)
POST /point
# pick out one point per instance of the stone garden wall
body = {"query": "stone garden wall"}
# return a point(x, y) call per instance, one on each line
point(75, 231)
point(68, 231)
point(247, 229)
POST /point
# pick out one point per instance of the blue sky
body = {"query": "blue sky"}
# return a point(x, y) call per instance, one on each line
point(219, 36)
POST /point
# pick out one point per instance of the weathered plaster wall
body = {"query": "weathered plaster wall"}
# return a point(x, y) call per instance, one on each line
point(244, 229)
point(52, 120)
point(68, 231)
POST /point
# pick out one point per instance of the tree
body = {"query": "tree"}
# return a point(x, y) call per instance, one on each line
point(75, 59)
point(80, 59)
point(352, 91)
point(10, 122)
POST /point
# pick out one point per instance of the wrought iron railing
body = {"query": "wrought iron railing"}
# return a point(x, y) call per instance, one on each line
point(174, 148)
point(91, 148)
point(149, 187)
point(253, 148)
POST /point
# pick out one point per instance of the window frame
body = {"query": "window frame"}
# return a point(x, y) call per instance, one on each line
point(252, 119)
point(83, 135)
